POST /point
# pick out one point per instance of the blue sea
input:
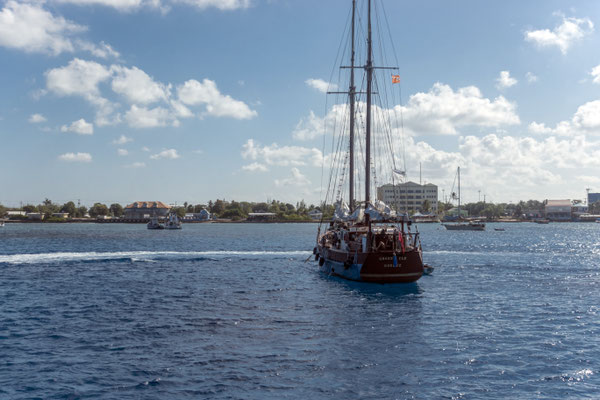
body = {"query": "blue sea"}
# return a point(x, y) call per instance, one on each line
point(235, 311)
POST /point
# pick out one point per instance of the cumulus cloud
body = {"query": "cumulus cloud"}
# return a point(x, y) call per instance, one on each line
point(224, 5)
point(136, 165)
point(206, 93)
point(297, 179)
point(596, 74)
point(585, 121)
point(562, 36)
point(281, 155)
point(531, 77)
point(137, 86)
point(168, 154)
point(84, 79)
point(30, 28)
point(122, 152)
point(143, 117)
point(255, 167)
point(27, 26)
point(320, 85)
point(37, 118)
point(75, 157)
point(122, 140)
point(80, 127)
point(505, 80)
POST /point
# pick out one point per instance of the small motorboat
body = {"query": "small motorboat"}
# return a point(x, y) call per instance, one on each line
point(499, 229)
point(427, 269)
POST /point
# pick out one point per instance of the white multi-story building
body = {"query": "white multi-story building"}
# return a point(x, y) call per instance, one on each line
point(409, 196)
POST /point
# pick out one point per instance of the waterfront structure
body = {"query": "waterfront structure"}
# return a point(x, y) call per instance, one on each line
point(64, 215)
point(593, 198)
point(315, 215)
point(203, 215)
point(35, 216)
point(558, 210)
point(146, 209)
point(261, 216)
point(409, 196)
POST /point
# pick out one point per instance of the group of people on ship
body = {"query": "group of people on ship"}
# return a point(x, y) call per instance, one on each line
point(384, 239)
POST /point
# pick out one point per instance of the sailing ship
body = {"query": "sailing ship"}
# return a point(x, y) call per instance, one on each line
point(460, 226)
point(366, 241)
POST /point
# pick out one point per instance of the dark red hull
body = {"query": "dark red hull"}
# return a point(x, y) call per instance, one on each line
point(376, 267)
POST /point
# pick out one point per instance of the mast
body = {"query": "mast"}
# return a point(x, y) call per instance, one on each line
point(369, 69)
point(352, 93)
point(459, 193)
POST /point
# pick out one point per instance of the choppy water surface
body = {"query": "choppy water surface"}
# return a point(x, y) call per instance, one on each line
point(233, 311)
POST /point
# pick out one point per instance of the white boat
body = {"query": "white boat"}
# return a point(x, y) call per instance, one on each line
point(472, 225)
point(154, 224)
point(173, 222)
point(1, 223)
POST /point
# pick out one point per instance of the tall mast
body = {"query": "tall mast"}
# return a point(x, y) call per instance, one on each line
point(459, 193)
point(369, 69)
point(352, 93)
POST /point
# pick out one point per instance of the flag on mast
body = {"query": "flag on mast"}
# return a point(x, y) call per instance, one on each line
point(395, 78)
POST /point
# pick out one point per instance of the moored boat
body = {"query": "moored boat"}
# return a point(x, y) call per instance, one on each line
point(460, 226)
point(173, 222)
point(155, 224)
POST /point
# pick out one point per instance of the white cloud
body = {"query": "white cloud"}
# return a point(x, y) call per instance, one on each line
point(82, 78)
point(442, 111)
point(75, 157)
point(220, 4)
point(137, 86)
point(122, 140)
point(531, 77)
point(142, 117)
point(146, 149)
point(121, 5)
point(27, 26)
point(30, 28)
point(136, 165)
point(255, 167)
point(505, 80)
point(562, 36)
point(37, 118)
point(122, 152)
point(585, 121)
point(103, 50)
point(297, 179)
point(596, 74)
point(282, 156)
point(206, 93)
point(320, 85)
point(79, 78)
point(80, 127)
point(169, 154)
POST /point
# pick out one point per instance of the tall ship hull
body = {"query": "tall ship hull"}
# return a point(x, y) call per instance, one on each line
point(376, 267)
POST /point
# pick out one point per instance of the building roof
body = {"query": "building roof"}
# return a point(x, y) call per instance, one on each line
point(558, 203)
point(147, 204)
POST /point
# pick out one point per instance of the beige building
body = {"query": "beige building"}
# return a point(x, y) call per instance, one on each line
point(409, 196)
point(146, 209)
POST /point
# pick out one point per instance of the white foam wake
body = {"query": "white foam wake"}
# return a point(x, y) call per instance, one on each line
point(136, 255)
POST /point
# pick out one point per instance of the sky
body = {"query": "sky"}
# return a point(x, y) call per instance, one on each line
point(192, 100)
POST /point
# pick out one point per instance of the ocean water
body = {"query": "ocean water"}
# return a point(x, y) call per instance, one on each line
point(234, 311)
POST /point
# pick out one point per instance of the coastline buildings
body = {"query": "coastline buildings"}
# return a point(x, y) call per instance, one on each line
point(146, 209)
point(409, 197)
point(558, 210)
point(593, 198)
